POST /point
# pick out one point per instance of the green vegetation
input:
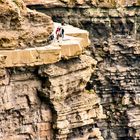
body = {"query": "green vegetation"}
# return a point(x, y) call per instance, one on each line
point(91, 91)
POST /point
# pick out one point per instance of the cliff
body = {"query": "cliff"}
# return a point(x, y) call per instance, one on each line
point(70, 47)
point(114, 28)
point(68, 90)
point(49, 101)
point(84, 3)
point(43, 93)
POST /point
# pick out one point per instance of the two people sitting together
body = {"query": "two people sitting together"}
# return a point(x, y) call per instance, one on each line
point(58, 33)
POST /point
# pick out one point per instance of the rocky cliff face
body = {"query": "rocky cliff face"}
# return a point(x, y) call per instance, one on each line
point(83, 3)
point(75, 108)
point(114, 28)
point(70, 99)
point(43, 89)
point(21, 27)
point(49, 102)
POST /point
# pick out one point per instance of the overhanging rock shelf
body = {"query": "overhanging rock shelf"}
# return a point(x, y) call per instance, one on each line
point(75, 41)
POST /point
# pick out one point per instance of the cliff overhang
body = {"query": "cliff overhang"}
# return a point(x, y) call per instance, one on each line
point(74, 43)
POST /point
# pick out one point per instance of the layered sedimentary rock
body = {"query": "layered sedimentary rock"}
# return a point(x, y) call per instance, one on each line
point(21, 27)
point(118, 77)
point(77, 3)
point(114, 28)
point(43, 92)
point(40, 100)
point(75, 42)
point(76, 109)
point(49, 102)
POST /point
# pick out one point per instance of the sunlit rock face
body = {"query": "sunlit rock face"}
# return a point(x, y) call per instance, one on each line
point(76, 41)
point(114, 28)
point(71, 99)
point(49, 102)
point(43, 93)
point(21, 27)
point(76, 109)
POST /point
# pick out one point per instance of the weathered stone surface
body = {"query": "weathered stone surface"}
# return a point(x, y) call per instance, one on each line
point(78, 3)
point(27, 111)
point(31, 57)
point(4, 77)
point(118, 77)
point(73, 45)
point(2, 60)
point(21, 27)
point(21, 111)
point(33, 108)
point(50, 102)
point(74, 105)
point(115, 39)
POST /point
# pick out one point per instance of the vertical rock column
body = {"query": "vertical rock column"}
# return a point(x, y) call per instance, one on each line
point(75, 108)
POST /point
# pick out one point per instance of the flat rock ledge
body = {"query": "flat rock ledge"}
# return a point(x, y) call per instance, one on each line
point(75, 41)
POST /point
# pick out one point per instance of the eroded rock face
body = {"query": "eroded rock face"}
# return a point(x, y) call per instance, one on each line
point(59, 101)
point(117, 82)
point(85, 3)
point(21, 27)
point(76, 108)
point(22, 113)
point(115, 35)
point(49, 102)
point(36, 99)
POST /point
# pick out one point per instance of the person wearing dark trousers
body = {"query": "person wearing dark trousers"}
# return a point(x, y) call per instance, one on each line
point(62, 30)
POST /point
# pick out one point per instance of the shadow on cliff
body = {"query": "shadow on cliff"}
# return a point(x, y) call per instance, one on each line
point(116, 125)
point(44, 98)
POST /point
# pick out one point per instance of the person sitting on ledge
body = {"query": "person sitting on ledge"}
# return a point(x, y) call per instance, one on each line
point(62, 30)
point(58, 35)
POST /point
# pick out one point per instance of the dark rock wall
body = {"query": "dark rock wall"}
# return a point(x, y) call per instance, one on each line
point(117, 82)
